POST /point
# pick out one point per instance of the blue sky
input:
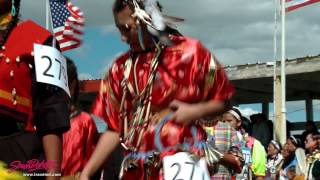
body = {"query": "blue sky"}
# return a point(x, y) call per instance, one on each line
point(236, 31)
point(96, 54)
point(295, 110)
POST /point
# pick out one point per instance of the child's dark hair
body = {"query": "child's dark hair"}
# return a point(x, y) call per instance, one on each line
point(73, 76)
point(295, 141)
point(12, 24)
point(315, 135)
point(246, 125)
point(235, 110)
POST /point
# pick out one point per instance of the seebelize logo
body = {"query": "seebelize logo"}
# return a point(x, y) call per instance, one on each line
point(32, 165)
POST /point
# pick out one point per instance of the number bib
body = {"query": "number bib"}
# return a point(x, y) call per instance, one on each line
point(246, 172)
point(181, 167)
point(246, 152)
point(51, 67)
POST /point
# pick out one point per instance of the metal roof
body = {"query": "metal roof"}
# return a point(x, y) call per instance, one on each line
point(254, 82)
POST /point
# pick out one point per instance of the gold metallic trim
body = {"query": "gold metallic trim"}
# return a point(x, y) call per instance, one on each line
point(20, 100)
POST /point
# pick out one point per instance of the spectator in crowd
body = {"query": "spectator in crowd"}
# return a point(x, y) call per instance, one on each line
point(311, 127)
point(233, 117)
point(294, 146)
point(80, 140)
point(261, 129)
point(289, 163)
point(274, 160)
point(312, 144)
point(225, 140)
point(253, 152)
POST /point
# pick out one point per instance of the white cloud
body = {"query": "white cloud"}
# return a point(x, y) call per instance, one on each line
point(85, 76)
point(97, 12)
point(83, 50)
point(238, 31)
point(271, 116)
point(241, 31)
point(316, 106)
point(247, 112)
point(105, 30)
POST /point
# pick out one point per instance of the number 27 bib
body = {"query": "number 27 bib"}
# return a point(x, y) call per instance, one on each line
point(181, 167)
point(51, 67)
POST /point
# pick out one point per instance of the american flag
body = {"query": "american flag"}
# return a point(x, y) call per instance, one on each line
point(68, 22)
point(296, 4)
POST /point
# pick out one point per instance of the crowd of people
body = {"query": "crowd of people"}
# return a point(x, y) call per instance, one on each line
point(296, 159)
point(166, 101)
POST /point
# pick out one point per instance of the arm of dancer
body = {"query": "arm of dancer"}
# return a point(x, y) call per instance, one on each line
point(106, 144)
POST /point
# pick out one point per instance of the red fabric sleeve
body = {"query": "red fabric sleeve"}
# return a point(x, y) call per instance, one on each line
point(213, 78)
point(90, 139)
point(222, 88)
point(78, 144)
point(99, 105)
point(107, 103)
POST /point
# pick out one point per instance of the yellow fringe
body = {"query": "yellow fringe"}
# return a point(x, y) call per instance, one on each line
point(5, 20)
point(6, 174)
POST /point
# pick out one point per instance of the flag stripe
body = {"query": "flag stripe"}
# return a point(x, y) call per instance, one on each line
point(68, 22)
point(68, 40)
point(296, 4)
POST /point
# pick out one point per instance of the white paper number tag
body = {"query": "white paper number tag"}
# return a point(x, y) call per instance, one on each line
point(51, 67)
point(181, 167)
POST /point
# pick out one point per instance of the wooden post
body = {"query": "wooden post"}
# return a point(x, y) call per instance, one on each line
point(279, 125)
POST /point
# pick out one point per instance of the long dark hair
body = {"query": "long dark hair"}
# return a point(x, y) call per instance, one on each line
point(315, 135)
point(295, 141)
point(246, 125)
point(73, 76)
point(5, 34)
point(119, 5)
point(288, 160)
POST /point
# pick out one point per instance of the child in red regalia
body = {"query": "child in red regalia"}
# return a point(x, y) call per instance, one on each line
point(79, 142)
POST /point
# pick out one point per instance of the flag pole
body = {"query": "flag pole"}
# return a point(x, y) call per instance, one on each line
point(47, 15)
point(275, 33)
point(283, 72)
point(49, 24)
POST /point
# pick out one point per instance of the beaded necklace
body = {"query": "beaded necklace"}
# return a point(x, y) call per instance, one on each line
point(315, 154)
point(134, 131)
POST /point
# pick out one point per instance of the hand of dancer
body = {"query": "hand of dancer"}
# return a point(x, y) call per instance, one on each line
point(184, 113)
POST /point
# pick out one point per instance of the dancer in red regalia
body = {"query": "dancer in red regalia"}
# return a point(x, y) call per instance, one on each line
point(27, 106)
point(154, 94)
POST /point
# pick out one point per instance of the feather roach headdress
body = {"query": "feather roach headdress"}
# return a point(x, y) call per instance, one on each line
point(149, 13)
